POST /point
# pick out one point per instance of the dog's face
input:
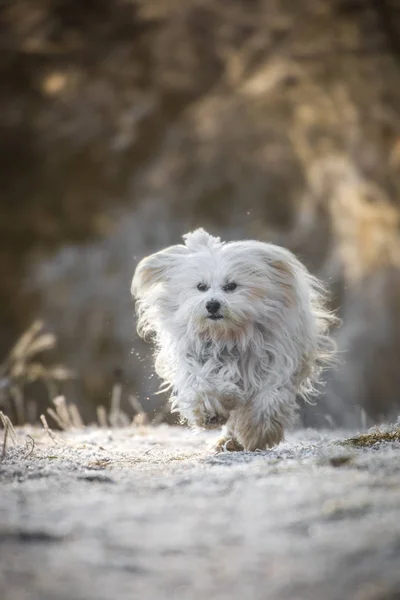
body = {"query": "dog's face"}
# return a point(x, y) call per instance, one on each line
point(216, 291)
point(212, 289)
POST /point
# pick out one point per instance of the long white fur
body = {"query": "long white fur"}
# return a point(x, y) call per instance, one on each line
point(247, 368)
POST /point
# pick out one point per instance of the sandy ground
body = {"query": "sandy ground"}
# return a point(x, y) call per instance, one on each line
point(151, 513)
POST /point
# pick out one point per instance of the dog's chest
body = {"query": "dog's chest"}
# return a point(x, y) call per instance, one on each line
point(225, 362)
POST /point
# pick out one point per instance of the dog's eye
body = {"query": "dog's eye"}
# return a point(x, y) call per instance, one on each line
point(202, 287)
point(230, 287)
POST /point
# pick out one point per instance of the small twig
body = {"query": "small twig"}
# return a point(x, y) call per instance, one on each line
point(150, 449)
point(31, 447)
point(47, 429)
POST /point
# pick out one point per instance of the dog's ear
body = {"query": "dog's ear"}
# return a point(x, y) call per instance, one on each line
point(280, 267)
point(156, 268)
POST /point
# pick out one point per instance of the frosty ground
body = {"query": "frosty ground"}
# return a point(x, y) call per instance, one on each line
point(151, 512)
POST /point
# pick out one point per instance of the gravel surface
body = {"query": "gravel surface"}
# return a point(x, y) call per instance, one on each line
point(152, 513)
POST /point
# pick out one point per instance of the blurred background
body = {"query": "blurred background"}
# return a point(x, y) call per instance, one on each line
point(125, 123)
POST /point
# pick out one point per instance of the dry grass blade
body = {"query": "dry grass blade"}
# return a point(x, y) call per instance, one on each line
point(30, 445)
point(48, 430)
point(102, 416)
point(34, 371)
point(117, 417)
point(20, 369)
point(7, 423)
point(160, 415)
point(60, 373)
point(53, 414)
point(116, 399)
point(134, 402)
point(65, 416)
point(25, 340)
point(31, 372)
point(371, 438)
point(75, 416)
point(62, 411)
point(3, 452)
point(141, 417)
point(46, 341)
point(9, 431)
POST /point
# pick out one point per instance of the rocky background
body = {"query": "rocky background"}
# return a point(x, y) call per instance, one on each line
point(125, 123)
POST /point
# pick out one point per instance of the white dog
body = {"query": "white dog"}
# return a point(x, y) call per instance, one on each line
point(240, 330)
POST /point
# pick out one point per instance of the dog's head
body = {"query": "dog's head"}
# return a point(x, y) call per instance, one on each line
point(216, 290)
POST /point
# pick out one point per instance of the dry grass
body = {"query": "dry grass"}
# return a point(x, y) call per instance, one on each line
point(65, 415)
point(23, 366)
point(372, 437)
point(9, 433)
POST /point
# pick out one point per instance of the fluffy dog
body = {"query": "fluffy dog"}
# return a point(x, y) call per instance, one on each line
point(241, 331)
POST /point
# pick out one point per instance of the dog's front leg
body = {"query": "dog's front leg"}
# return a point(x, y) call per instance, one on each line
point(227, 441)
point(205, 402)
point(260, 423)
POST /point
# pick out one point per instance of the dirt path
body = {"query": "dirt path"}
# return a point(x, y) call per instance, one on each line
point(152, 514)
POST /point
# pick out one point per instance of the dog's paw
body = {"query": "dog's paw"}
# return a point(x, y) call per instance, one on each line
point(227, 444)
point(259, 436)
point(207, 412)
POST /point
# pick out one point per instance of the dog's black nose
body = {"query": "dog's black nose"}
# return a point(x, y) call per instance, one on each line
point(213, 306)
